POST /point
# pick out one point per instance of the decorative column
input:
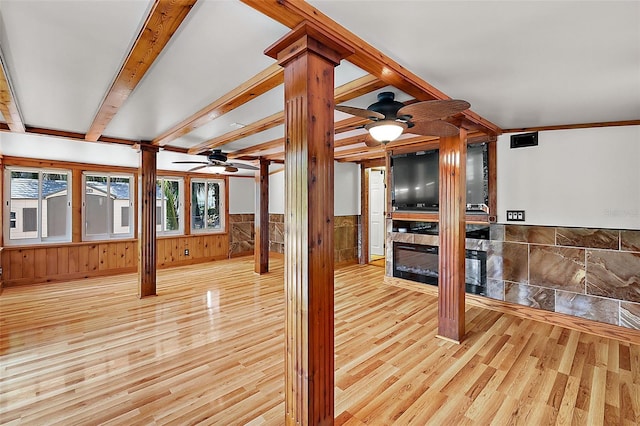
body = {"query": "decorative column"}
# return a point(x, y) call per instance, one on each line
point(147, 252)
point(451, 284)
point(261, 219)
point(309, 55)
point(363, 258)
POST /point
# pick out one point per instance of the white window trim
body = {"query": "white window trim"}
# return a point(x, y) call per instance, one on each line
point(108, 236)
point(223, 214)
point(181, 209)
point(7, 207)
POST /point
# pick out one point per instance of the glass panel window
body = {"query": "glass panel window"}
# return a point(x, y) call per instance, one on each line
point(169, 205)
point(207, 205)
point(107, 206)
point(39, 206)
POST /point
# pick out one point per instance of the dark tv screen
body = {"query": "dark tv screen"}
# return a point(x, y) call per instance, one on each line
point(477, 172)
point(415, 181)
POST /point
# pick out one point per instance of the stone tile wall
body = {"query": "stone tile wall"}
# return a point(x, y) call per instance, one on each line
point(242, 228)
point(276, 233)
point(345, 236)
point(588, 273)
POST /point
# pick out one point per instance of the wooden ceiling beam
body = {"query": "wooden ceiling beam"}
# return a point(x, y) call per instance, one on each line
point(8, 100)
point(345, 92)
point(292, 12)
point(259, 84)
point(341, 126)
point(79, 137)
point(162, 22)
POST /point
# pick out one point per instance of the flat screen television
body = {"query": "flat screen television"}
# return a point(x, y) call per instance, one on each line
point(415, 180)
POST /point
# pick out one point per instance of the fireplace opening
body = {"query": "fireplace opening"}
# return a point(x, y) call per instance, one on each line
point(420, 263)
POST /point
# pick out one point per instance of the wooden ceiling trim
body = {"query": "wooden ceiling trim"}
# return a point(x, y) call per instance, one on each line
point(347, 91)
point(341, 126)
point(79, 137)
point(8, 101)
point(251, 129)
point(164, 19)
point(354, 158)
point(370, 59)
point(259, 84)
point(256, 149)
point(358, 150)
point(575, 126)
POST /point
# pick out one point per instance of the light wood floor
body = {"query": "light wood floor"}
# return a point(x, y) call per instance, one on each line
point(209, 348)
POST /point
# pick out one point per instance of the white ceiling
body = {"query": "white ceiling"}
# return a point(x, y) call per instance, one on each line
point(519, 63)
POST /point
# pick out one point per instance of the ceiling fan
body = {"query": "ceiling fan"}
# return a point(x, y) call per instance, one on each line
point(389, 118)
point(217, 158)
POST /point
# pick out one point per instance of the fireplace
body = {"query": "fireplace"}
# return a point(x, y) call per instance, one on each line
point(420, 263)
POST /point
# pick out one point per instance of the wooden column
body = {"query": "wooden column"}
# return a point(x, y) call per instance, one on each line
point(147, 252)
point(4, 206)
point(261, 219)
point(364, 215)
point(76, 205)
point(493, 178)
point(309, 55)
point(451, 284)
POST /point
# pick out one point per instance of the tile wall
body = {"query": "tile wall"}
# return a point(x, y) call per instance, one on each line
point(242, 236)
point(585, 272)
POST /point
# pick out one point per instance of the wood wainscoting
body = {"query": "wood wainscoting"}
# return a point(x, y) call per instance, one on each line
point(35, 264)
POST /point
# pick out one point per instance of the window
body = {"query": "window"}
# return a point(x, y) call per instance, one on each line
point(207, 205)
point(169, 205)
point(106, 206)
point(38, 206)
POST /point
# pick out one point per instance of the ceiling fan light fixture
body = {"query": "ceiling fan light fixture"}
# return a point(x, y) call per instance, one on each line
point(386, 131)
point(217, 169)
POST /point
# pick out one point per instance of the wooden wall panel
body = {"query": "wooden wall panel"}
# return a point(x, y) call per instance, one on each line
point(70, 261)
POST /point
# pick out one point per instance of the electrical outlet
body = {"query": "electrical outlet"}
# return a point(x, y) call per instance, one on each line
point(515, 215)
point(186, 252)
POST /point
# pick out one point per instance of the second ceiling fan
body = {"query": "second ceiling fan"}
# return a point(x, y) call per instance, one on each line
point(390, 118)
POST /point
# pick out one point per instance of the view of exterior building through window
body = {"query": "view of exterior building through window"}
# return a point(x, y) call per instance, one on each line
point(39, 206)
point(107, 206)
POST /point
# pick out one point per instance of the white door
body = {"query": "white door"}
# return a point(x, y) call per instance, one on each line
point(376, 213)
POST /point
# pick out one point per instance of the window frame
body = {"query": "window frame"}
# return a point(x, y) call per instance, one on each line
point(221, 206)
point(109, 235)
point(8, 218)
point(181, 209)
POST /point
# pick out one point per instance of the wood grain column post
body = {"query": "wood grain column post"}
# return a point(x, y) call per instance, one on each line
point(147, 252)
point(261, 219)
point(451, 283)
point(364, 215)
point(309, 55)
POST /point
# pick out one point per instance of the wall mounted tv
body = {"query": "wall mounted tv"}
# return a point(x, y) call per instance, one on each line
point(415, 180)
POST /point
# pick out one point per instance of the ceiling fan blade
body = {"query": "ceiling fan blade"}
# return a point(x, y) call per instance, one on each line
point(241, 166)
point(434, 128)
point(197, 168)
point(230, 169)
point(360, 112)
point(433, 110)
point(190, 162)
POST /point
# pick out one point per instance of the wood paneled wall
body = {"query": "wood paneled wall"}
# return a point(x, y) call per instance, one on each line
point(79, 259)
point(27, 265)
